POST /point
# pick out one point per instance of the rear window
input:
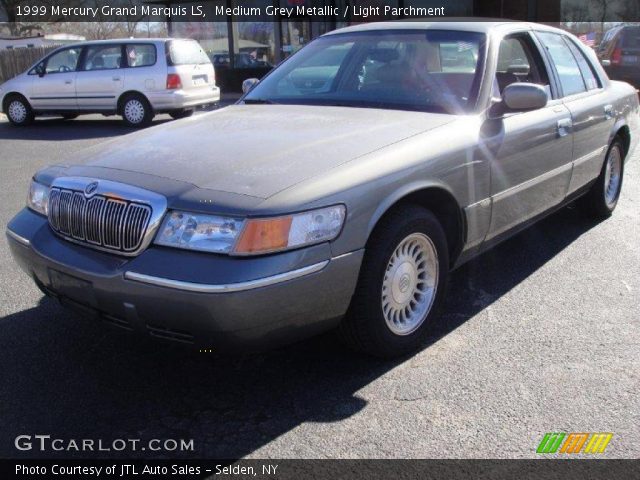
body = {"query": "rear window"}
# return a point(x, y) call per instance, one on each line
point(631, 38)
point(186, 52)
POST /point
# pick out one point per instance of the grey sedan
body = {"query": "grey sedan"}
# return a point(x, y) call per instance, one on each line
point(339, 192)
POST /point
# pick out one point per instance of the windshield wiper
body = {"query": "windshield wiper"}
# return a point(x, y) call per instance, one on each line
point(258, 101)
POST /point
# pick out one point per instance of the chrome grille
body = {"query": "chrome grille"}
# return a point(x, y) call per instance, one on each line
point(102, 222)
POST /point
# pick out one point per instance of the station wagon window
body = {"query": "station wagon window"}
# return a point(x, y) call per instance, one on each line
point(103, 57)
point(141, 55)
point(586, 69)
point(566, 65)
point(519, 61)
point(63, 61)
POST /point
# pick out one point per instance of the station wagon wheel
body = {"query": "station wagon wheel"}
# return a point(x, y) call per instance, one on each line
point(401, 285)
point(18, 110)
point(136, 110)
point(603, 197)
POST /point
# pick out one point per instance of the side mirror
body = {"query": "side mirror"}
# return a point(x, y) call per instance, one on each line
point(520, 97)
point(606, 63)
point(40, 70)
point(248, 84)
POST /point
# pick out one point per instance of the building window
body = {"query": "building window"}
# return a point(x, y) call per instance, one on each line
point(254, 43)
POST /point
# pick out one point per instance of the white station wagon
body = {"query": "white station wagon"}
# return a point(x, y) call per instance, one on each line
point(135, 78)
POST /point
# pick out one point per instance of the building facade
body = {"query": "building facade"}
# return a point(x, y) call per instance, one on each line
point(244, 49)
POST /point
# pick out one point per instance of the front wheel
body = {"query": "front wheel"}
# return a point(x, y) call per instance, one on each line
point(18, 111)
point(136, 111)
point(401, 285)
point(603, 197)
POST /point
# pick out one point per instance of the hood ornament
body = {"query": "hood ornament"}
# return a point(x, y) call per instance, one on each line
point(91, 189)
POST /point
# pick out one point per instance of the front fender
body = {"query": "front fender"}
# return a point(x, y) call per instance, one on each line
point(403, 192)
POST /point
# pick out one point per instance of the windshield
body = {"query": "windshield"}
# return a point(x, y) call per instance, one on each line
point(187, 52)
point(434, 70)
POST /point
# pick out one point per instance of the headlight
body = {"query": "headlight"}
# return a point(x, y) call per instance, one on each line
point(193, 231)
point(38, 199)
point(266, 235)
point(211, 233)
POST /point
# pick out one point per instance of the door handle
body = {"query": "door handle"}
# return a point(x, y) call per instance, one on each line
point(116, 79)
point(608, 112)
point(564, 126)
point(68, 82)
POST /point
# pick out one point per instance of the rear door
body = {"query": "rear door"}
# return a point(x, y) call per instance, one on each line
point(583, 94)
point(56, 88)
point(100, 77)
point(530, 151)
point(187, 59)
point(145, 71)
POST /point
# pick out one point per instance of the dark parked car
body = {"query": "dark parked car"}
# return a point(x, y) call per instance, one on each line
point(338, 193)
point(619, 53)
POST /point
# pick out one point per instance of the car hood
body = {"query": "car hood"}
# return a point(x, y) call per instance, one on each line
point(259, 150)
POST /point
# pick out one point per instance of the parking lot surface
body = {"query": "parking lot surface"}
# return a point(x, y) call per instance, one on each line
point(540, 335)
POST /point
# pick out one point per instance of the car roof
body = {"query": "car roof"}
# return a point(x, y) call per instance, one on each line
point(123, 40)
point(480, 25)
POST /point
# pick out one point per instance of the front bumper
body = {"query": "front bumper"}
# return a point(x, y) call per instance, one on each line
point(166, 100)
point(211, 301)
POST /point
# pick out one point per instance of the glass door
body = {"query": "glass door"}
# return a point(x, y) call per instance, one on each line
point(295, 34)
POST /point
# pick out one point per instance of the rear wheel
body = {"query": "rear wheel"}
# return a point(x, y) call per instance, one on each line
point(184, 113)
point(136, 111)
point(603, 197)
point(18, 110)
point(401, 285)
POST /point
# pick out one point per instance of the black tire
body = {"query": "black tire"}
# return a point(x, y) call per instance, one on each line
point(136, 111)
point(600, 202)
point(70, 116)
point(365, 327)
point(184, 113)
point(18, 111)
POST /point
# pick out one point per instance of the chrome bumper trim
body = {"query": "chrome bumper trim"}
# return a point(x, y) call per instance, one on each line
point(18, 238)
point(231, 287)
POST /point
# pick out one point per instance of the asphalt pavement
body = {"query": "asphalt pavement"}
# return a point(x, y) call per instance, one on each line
point(540, 335)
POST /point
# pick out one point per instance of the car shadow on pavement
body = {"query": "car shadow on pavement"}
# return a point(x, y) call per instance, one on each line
point(60, 130)
point(69, 378)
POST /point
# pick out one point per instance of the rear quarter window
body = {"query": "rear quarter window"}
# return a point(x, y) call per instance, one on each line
point(186, 52)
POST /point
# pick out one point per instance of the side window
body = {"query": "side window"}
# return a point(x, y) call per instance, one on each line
point(103, 57)
point(519, 61)
point(586, 69)
point(141, 55)
point(566, 64)
point(63, 61)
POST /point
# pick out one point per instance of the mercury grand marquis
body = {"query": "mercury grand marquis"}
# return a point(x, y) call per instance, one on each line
point(338, 193)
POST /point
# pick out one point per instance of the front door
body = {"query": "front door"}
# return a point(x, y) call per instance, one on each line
point(530, 152)
point(55, 89)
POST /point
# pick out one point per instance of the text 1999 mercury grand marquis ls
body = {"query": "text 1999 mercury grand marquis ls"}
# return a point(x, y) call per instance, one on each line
point(339, 192)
